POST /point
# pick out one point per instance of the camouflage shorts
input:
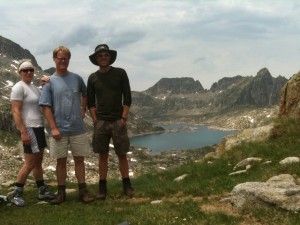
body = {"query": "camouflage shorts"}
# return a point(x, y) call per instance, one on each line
point(104, 131)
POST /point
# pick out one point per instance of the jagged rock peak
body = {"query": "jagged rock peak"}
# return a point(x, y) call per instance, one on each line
point(264, 72)
point(229, 82)
point(183, 85)
point(226, 82)
point(263, 90)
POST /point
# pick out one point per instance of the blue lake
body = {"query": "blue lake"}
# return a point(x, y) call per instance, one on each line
point(180, 136)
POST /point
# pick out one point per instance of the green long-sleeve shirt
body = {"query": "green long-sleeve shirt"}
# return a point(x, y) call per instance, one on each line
point(108, 92)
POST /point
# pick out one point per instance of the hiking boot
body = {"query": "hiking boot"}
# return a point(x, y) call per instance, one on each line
point(60, 197)
point(16, 198)
point(102, 194)
point(45, 193)
point(129, 191)
point(84, 196)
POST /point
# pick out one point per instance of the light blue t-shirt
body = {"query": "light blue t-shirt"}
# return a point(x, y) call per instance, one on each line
point(63, 94)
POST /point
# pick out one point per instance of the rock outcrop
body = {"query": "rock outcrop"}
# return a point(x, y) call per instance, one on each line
point(290, 98)
point(281, 191)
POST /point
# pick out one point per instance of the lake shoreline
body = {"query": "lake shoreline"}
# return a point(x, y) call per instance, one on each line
point(208, 125)
point(180, 136)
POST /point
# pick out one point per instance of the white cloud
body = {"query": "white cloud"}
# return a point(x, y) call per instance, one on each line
point(203, 39)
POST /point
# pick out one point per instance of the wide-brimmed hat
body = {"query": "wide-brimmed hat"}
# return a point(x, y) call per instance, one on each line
point(103, 48)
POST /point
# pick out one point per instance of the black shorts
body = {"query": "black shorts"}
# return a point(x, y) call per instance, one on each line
point(38, 140)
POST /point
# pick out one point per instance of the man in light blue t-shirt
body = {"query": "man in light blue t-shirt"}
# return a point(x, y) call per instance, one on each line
point(63, 99)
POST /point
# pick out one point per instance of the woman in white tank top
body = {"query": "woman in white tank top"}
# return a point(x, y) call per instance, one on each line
point(29, 120)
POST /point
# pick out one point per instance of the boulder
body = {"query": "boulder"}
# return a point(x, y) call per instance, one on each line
point(280, 191)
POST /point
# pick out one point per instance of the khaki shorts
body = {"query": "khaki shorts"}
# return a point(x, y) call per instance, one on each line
point(78, 145)
point(104, 131)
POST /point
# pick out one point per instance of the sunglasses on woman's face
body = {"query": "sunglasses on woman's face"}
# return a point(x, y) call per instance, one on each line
point(28, 70)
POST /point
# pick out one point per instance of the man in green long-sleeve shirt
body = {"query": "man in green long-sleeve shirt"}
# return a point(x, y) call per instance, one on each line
point(109, 99)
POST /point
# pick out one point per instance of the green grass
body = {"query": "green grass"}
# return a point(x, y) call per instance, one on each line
point(194, 200)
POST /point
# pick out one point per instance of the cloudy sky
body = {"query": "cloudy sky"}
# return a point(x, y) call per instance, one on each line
point(203, 39)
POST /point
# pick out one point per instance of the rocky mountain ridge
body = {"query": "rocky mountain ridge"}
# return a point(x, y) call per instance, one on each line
point(168, 100)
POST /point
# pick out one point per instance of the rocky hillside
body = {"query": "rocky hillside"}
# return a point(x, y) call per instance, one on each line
point(10, 56)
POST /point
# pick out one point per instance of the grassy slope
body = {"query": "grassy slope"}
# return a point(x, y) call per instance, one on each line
point(194, 200)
